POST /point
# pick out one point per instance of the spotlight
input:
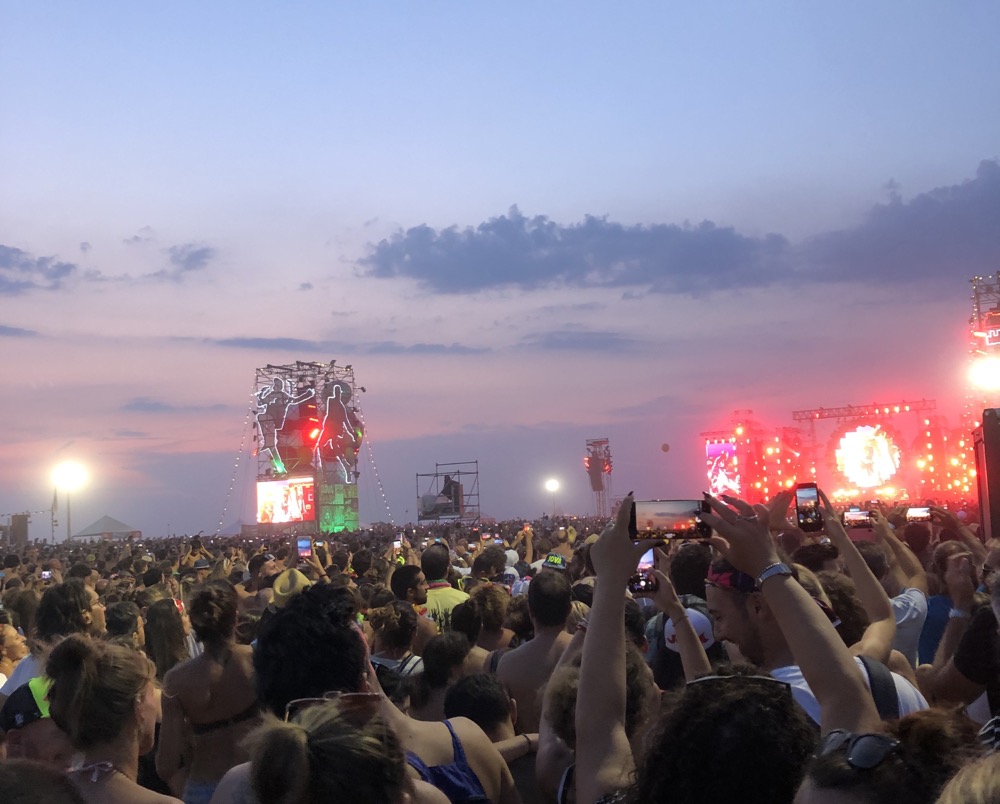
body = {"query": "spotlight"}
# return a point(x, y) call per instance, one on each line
point(985, 374)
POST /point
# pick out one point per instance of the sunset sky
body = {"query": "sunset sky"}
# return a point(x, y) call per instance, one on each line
point(524, 225)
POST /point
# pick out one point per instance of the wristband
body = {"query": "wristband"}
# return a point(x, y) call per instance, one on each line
point(959, 614)
point(777, 568)
point(527, 739)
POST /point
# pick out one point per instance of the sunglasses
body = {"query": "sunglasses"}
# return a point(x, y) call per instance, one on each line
point(864, 751)
point(359, 707)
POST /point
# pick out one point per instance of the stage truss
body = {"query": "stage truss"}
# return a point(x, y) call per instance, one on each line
point(307, 440)
point(449, 493)
point(598, 464)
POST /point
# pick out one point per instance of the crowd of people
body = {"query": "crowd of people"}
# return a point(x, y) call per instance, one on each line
point(517, 662)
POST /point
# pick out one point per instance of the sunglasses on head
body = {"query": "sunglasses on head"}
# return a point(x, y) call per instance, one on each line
point(864, 751)
point(359, 707)
point(739, 678)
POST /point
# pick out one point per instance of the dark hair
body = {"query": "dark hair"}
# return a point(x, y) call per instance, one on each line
point(94, 688)
point(152, 577)
point(435, 562)
point(340, 559)
point(481, 698)
point(814, 556)
point(689, 568)
point(309, 647)
point(493, 601)
point(25, 781)
point(442, 654)
point(933, 745)
point(362, 561)
point(917, 537)
point(122, 619)
point(584, 592)
point(518, 620)
point(213, 611)
point(635, 624)
point(79, 570)
point(847, 605)
point(716, 735)
point(550, 598)
point(466, 619)
point(874, 557)
point(61, 610)
point(394, 624)
point(380, 596)
point(404, 579)
point(165, 642)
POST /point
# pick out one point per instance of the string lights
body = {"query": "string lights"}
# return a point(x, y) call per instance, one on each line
point(239, 456)
point(371, 457)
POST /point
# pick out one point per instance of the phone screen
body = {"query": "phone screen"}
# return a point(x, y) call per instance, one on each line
point(642, 582)
point(918, 514)
point(397, 544)
point(807, 507)
point(669, 519)
point(305, 548)
point(857, 519)
point(646, 562)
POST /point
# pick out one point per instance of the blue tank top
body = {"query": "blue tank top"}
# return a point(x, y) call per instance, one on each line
point(456, 779)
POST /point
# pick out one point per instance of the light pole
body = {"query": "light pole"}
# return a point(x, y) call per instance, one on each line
point(70, 477)
point(552, 486)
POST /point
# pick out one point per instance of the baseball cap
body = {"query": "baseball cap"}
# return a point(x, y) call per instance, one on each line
point(25, 705)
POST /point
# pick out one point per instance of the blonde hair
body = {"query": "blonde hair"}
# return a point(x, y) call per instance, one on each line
point(326, 752)
point(976, 783)
point(578, 611)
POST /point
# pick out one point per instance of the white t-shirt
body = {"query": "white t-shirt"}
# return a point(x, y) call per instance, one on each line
point(910, 699)
point(910, 609)
point(26, 670)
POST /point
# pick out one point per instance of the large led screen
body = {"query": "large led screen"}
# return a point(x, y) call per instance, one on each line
point(291, 500)
point(723, 469)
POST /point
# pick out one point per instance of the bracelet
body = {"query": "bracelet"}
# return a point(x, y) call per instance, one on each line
point(959, 614)
point(582, 625)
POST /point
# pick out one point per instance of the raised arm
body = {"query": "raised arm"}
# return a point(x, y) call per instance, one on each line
point(604, 761)
point(825, 661)
point(912, 571)
point(877, 640)
point(946, 518)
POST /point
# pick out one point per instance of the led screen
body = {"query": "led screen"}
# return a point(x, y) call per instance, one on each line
point(291, 500)
point(723, 469)
point(867, 456)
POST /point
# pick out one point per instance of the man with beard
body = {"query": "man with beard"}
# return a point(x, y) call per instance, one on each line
point(409, 584)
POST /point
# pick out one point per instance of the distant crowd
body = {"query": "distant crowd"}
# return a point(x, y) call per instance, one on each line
point(561, 660)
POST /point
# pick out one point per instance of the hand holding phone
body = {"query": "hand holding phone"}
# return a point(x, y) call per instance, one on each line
point(643, 583)
point(807, 512)
point(304, 547)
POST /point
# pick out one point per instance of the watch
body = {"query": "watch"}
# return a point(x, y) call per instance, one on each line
point(778, 568)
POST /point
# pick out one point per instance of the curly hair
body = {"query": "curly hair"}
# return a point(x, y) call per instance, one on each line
point(716, 735)
point(394, 624)
point(933, 745)
point(493, 601)
point(846, 603)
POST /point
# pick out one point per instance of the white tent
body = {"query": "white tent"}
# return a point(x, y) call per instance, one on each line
point(107, 528)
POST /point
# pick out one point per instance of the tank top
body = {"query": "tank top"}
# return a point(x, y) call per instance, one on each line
point(456, 779)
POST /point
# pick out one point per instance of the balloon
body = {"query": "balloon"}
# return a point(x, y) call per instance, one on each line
point(665, 447)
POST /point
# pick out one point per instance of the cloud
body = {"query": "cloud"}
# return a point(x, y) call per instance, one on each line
point(185, 259)
point(529, 253)
point(301, 346)
point(144, 235)
point(934, 236)
point(16, 332)
point(575, 340)
point(144, 404)
point(20, 271)
point(938, 235)
point(84, 247)
point(306, 286)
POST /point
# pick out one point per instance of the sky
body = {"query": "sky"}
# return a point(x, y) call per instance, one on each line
point(524, 226)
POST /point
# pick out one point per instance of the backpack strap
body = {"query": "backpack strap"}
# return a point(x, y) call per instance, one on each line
point(883, 688)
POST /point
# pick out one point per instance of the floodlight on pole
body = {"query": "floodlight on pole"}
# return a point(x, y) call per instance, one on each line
point(69, 477)
point(552, 486)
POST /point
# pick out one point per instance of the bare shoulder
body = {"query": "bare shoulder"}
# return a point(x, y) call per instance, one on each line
point(426, 793)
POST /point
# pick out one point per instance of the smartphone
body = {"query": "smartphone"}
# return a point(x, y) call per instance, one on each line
point(485, 537)
point(320, 543)
point(643, 582)
point(554, 561)
point(669, 519)
point(807, 508)
point(918, 514)
point(857, 519)
point(46, 575)
point(305, 548)
point(397, 544)
point(647, 560)
point(498, 540)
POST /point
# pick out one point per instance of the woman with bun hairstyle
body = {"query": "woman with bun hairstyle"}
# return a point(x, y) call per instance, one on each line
point(393, 628)
point(209, 702)
point(104, 698)
point(327, 753)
